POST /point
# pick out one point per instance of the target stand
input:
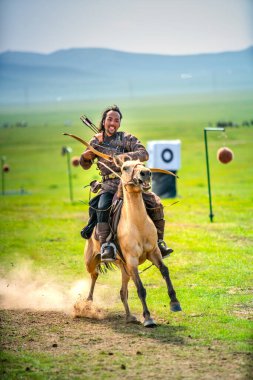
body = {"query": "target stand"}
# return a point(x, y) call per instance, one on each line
point(164, 154)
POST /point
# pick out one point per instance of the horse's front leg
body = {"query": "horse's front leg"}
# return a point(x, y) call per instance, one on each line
point(94, 277)
point(157, 261)
point(124, 294)
point(148, 321)
point(92, 261)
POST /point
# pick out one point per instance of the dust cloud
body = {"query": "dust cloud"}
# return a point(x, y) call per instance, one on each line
point(25, 288)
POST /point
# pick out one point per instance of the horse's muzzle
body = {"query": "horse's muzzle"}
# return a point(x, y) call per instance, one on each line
point(145, 179)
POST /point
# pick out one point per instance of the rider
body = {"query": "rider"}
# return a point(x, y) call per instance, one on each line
point(112, 142)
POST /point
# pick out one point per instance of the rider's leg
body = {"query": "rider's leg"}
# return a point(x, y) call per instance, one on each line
point(103, 229)
point(155, 212)
point(160, 225)
point(92, 222)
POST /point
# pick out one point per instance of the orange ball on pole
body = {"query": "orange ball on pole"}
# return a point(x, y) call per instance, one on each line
point(6, 168)
point(75, 161)
point(225, 155)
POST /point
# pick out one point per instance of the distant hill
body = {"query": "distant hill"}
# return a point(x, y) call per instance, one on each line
point(79, 74)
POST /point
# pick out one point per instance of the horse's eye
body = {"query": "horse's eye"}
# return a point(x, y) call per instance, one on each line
point(124, 168)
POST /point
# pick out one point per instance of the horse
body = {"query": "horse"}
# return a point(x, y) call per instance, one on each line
point(137, 238)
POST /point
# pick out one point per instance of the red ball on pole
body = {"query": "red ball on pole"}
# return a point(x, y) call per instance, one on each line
point(75, 161)
point(225, 155)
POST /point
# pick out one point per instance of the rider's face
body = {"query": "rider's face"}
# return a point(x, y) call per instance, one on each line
point(112, 122)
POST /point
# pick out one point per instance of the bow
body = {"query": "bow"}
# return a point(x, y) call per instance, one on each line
point(109, 158)
point(96, 152)
point(155, 170)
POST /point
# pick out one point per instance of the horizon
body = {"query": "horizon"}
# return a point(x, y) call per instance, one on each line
point(125, 52)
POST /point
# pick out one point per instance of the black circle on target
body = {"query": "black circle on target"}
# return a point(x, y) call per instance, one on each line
point(167, 155)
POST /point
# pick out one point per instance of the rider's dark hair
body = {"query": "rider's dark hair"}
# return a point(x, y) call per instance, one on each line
point(110, 108)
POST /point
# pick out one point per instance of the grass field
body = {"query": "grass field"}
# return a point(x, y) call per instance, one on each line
point(211, 266)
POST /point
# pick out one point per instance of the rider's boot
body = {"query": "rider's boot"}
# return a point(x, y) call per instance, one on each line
point(108, 251)
point(165, 250)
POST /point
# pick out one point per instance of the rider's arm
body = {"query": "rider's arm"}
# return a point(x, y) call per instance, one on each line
point(135, 150)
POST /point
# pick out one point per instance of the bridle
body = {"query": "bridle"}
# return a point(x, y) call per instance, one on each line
point(133, 181)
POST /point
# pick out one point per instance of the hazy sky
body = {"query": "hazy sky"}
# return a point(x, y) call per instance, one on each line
point(153, 26)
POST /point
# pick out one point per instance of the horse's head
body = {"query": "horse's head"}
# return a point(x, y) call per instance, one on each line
point(135, 176)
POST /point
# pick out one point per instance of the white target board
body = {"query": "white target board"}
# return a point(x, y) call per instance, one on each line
point(164, 154)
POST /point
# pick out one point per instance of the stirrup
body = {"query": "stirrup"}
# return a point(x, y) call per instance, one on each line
point(108, 256)
point(165, 251)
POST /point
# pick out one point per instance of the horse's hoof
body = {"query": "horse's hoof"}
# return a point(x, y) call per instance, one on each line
point(175, 306)
point(132, 319)
point(149, 323)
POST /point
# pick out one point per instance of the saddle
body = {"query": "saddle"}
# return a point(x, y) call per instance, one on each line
point(114, 217)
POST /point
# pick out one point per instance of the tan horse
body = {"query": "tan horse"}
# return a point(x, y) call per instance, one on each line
point(137, 237)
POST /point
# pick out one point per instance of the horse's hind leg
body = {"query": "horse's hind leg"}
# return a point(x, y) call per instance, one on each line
point(124, 294)
point(174, 303)
point(148, 321)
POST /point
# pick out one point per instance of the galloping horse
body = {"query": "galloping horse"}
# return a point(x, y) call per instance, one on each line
point(137, 237)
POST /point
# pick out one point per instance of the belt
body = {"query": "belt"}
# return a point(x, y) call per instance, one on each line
point(109, 176)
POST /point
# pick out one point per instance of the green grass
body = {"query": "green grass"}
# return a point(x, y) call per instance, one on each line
point(212, 264)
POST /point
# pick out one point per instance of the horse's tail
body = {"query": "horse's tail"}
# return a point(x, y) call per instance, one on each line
point(105, 267)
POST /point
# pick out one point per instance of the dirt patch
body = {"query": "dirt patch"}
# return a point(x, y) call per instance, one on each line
point(236, 290)
point(57, 346)
point(244, 311)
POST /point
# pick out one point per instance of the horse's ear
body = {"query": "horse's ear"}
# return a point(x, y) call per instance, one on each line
point(120, 159)
point(125, 157)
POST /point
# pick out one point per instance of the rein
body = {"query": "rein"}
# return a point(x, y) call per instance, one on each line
point(96, 209)
point(117, 175)
point(132, 180)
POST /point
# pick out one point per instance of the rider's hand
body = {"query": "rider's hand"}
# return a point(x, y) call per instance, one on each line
point(100, 137)
point(88, 155)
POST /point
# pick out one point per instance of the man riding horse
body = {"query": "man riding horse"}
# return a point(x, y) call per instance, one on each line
point(111, 142)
